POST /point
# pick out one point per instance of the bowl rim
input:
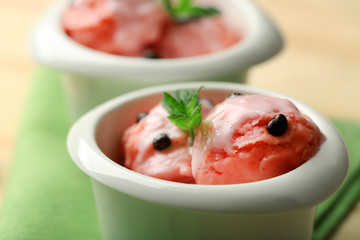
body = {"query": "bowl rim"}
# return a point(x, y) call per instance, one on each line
point(50, 46)
point(315, 180)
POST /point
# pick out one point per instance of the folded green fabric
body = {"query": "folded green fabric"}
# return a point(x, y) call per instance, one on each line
point(334, 209)
point(48, 197)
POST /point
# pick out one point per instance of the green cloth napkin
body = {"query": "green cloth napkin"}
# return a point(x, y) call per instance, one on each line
point(48, 197)
point(334, 209)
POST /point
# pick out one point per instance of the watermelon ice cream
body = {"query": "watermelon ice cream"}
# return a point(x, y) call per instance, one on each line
point(204, 36)
point(246, 138)
point(143, 28)
point(156, 147)
point(159, 161)
point(122, 27)
point(251, 138)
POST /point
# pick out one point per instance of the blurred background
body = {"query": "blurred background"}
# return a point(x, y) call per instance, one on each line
point(320, 65)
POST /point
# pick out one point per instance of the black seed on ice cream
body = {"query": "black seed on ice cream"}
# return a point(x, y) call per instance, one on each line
point(161, 141)
point(235, 94)
point(278, 125)
point(141, 116)
point(150, 54)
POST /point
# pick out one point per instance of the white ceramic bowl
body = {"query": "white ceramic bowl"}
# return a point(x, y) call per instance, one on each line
point(135, 206)
point(93, 77)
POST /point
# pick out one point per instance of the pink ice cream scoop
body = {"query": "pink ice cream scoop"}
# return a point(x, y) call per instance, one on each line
point(142, 28)
point(126, 27)
point(250, 138)
point(156, 147)
point(203, 36)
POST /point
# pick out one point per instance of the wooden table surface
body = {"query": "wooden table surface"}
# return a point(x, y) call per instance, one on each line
point(320, 65)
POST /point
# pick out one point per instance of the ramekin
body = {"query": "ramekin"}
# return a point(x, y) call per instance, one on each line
point(134, 206)
point(92, 77)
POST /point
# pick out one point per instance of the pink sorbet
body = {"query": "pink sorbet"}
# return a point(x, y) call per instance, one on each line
point(172, 163)
point(123, 27)
point(233, 144)
point(139, 28)
point(202, 36)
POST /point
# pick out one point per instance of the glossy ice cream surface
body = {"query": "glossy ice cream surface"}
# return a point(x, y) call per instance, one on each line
point(123, 27)
point(173, 163)
point(234, 143)
point(206, 35)
point(138, 28)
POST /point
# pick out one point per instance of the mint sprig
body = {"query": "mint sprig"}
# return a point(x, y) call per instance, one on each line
point(184, 108)
point(184, 10)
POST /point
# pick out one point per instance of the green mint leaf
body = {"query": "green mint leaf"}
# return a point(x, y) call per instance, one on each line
point(183, 5)
point(169, 8)
point(199, 12)
point(171, 104)
point(184, 11)
point(195, 120)
point(180, 120)
point(184, 109)
point(193, 102)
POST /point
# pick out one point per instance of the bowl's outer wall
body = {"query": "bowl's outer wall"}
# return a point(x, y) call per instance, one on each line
point(272, 207)
point(125, 217)
point(92, 77)
point(84, 92)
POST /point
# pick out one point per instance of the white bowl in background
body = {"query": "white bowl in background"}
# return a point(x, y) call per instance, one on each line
point(93, 77)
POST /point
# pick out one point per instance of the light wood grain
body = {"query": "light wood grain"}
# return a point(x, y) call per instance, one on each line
point(16, 21)
point(320, 65)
